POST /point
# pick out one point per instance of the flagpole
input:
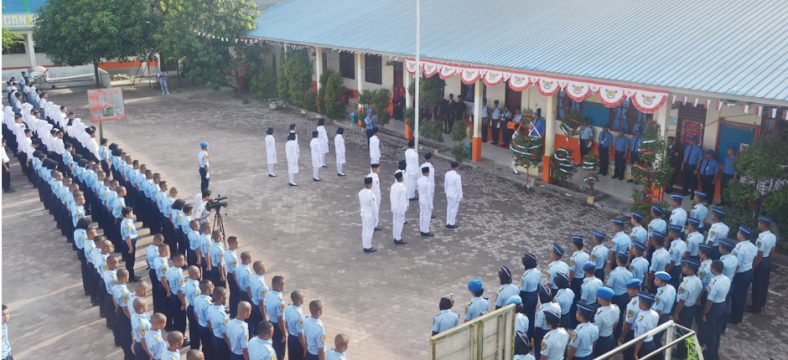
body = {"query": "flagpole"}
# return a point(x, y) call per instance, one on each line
point(418, 74)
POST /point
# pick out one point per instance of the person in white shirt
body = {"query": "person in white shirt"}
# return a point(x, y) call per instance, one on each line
point(428, 163)
point(339, 149)
point(411, 170)
point(323, 138)
point(373, 173)
point(367, 202)
point(291, 153)
point(340, 347)
point(7, 188)
point(399, 205)
point(317, 156)
point(374, 148)
point(452, 186)
point(425, 201)
point(202, 160)
point(200, 201)
point(270, 151)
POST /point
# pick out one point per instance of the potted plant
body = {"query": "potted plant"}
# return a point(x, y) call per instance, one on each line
point(459, 134)
point(591, 178)
point(527, 151)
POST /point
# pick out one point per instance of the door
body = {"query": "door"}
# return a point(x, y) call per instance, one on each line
point(513, 99)
point(733, 134)
point(690, 123)
point(397, 74)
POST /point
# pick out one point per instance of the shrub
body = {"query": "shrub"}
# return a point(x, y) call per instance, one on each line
point(458, 131)
point(310, 100)
point(459, 152)
point(263, 83)
point(331, 91)
point(431, 130)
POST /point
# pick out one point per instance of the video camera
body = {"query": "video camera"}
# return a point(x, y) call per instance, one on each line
point(217, 203)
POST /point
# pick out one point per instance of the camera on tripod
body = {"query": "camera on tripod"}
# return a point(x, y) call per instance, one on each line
point(217, 203)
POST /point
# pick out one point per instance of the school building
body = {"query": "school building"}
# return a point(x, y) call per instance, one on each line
point(19, 17)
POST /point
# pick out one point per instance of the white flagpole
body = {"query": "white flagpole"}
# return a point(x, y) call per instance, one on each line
point(418, 74)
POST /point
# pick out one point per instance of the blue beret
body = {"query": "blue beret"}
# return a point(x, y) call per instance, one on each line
point(693, 221)
point(514, 299)
point(646, 298)
point(708, 249)
point(637, 216)
point(662, 275)
point(726, 244)
point(659, 236)
point(586, 310)
point(633, 283)
point(639, 246)
point(710, 152)
point(204, 144)
point(675, 228)
point(700, 194)
point(677, 198)
point(558, 250)
point(691, 263)
point(657, 209)
point(745, 230)
point(369, 110)
point(619, 222)
point(622, 256)
point(475, 285)
point(589, 266)
point(719, 211)
point(604, 293)
point(599, 235)
point(577, 240)
point(765, 220)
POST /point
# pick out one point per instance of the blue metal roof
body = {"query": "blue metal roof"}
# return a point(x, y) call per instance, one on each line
point(724, 47)
point(22, 6)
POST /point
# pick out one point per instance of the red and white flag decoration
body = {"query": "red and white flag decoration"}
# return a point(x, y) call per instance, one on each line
point(493, 78)
point(470, 75)
point(410, 65)
point(648, 102)
point(519, 82)
point(578, 91)
point(547, 86)
point(447, 71)
point(612, 96)
point(430, 69)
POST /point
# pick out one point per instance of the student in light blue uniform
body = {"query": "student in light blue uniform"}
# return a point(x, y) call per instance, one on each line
point(599, 254)
point(556, 265)
point(704, 270)
point(729, 260)
point(554, 342)
point(237, 332)
point(659, 258)
point(638, 233)
point(275, 308)
point(522, 347)
point(647, 320)
point(678, 216)
point(581, 341)
point(677, 250)
point(478, 305)
point(694, 239)
point(294, 319)
point(521, 322)
point(639, 264)
point(621, 241)
point(657, 223)
point(715, 312)
point(745, 252)
point(606, 318)
point(529, 290)
point(566, 299)
point(699, 209)
point(218, 318)
point(591, 283)
point(618, 280)
point(687, 300)
point(446, 318)
point(261, 346)
point(576, 262)
point(507, 289)
point(540, 325)
point(128, 234)
point(665, 298)
point(718, 230)
point(762, 266)
point(314, 332)
point(628, 316)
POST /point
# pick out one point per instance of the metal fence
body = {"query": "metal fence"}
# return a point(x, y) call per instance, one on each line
point(674, 336)
point(489, 337)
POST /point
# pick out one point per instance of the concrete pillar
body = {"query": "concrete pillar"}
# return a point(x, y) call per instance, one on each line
point(31, 51)
point(549, 140)
point(476, 140)
point(318, 65)
point(406, 83)
point(360, 73)
point(661, 117)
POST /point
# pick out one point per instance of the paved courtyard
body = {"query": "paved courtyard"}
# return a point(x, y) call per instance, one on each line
point(311, 234)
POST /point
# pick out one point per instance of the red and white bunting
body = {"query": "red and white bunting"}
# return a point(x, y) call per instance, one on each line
point(548, 86)
point(410, 65)
point(648, 102)
point(447, 71)
point(470, 75)
point(578, 91)
point(493, 78)
point(519, 82)
point(612, 96)
point(431, 69)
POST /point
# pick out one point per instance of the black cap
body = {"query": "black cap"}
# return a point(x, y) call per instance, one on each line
point(367, 180)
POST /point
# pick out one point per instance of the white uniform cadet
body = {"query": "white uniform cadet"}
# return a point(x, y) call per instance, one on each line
point(317, 158)
point(270, 154)
point(292, 152)
point(367, 202)
point(412, 171)
point(323, 137)
point(339, 149)
point(426, 194)
point(374, 150)
point(376, 190)
point(399, 205)
point(452, 186)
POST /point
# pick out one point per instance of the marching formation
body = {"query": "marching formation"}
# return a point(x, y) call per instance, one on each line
point(97, 193)
point(679, 267)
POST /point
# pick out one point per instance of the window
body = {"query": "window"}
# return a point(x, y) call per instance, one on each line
point(347, 65)
point(17, 48)
point(373, 69)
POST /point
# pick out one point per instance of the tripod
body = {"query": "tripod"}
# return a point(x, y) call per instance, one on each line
point(219, 221)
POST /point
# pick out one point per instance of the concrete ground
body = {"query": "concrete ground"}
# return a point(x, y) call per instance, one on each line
point(311, 234)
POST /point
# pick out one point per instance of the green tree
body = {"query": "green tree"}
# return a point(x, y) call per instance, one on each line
point(77, 32)
point(263, 82)
point(11, 39)
point(299, 76)
point(331, 91)
point(430, 92)
point(201, 33)
point(650, 172)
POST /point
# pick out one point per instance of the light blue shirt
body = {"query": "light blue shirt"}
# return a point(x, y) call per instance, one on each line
point(151, 253)
point(700, 212)
point(117, 206)
point(314, 334)
point(617, 280)
point(692, 154)
point(175, 280)
point(565, 298)
point(194, 240)
point(274, 305)
point(504, 293)
point(335, 355)
point(201, 306)
point(678, 217)
point(704, 272)
point(745, 252)
point(258, 288)
point(709, 167)
point(677, 250)
point(605, 139)
point(599, 255)
point(552, 307)
point(639, 234)
point(717, 231)
point(694, 239)
point(243, 273)
point(639, 268)
point(138, 323)
point(444, 320)
point(238, 336)
point(621, 242)
point(647, 320)
point(718, 289)
point(622, 143)
point(729, 265)
point(554, 268)
point(576, 262)
point(160, 266)
point(79, 238)
point(633, 309)
point(155, 343)
point(531, 280)
point(554, 344)
point(230, 261)
point(6, 343)
point(191, 290)
point(477, 307)
point(727, 165)
point(128, 230)
point(587, 133)
point(588, 290)
point(658, 225)
point(260, 349)
point(659, 260)
point(294, 319)
point(583, 339)
point(664, 299)
point(217, 254)
point(765, 243)
point(218, 319)
point(689, 290)
point(606, 319)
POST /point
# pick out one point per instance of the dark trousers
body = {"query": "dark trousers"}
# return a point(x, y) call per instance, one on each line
point(713, 328)
point(124, 334)
point(294, 349)
point(760, 283)
point(620, 301)
point(310, 356)
point(205, 340)
point(139, 352)
point(647, 347)
point(219, 350)
point(707, 185)
point(530, 300)
point(507, 135)
point(538, 336)
point(690, 183)
point(194, 328)
point(177, 315)
point(739, 287)
point(686, 318)
point(485, 125)
point(254, 318)
point(6, 179)
point(604, 160)
point(603, 345)
point(495, 128)
point(620, 166)
point(629, 353)
point(576, 285)
point(235, 296)
point(600, 274)
point(584, 148)
point(278, 344)
point(130, 258)
point(159, 296)
point(204, 181)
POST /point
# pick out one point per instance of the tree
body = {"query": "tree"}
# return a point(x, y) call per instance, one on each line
point(11, 39)
point(200, 32)
point(331, 91)
point(651, 173)
point(77, 32)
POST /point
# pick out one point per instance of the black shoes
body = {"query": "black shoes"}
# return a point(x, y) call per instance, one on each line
point(338, 174)
point(292, 184)
point(378, 228)
point(400, 242)
point(427, 234)
point(451, 226)
point(271, 175)
point(370, 250)
point(315, 179)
